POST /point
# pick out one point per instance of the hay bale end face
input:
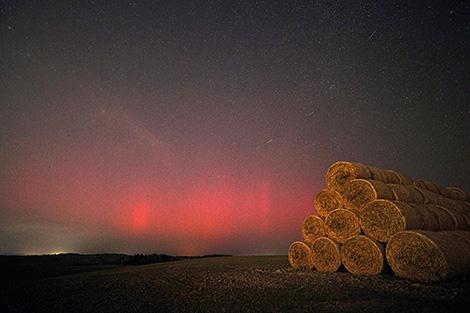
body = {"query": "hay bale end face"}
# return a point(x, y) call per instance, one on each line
point(300, 256)
point(342, 224)
point(326, 255)
point(326, 201)
point(340, 173)
point(313, 228)
point(359, 192)
point(363, 256)
point(381, 219)
point(429, 256)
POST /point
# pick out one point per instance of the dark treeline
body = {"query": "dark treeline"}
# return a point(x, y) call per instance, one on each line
point(139, 259)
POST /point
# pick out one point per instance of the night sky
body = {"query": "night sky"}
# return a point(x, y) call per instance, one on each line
point(193, 127)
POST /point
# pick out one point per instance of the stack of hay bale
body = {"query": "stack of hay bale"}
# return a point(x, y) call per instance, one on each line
point(370, 219)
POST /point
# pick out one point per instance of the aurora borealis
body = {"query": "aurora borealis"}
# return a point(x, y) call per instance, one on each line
point(194, 127)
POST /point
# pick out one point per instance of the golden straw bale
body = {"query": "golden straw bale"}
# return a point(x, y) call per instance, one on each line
point(434, 187)
point(403, 179)
point(358, 192)
point(442, 201)
point(392, 177)
point(312, 228)
point(435, 198)
point(443, 191)
point(460, 221)
point(326, 201)
point(340, 173)
point(326, 255)
point(363, 256)
point(429, 217)
point(465, 235)
point(429, 256)
point(389, 176)
point(446, 219)
point(300, 256)
point(407, 193)
point(456, 193)
point(342, 224)
point(378, 174)
point(420, 184)
point(430, 186)
point(381, 219)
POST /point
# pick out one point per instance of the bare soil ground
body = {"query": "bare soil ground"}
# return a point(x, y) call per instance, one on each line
point(229, 284)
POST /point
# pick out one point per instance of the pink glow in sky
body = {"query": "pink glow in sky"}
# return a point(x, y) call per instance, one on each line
point(112, 184)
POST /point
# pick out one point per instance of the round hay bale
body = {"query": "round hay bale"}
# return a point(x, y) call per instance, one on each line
point(446, 220)
point(447, 202)
point(392, 177)
point(465, 235)
point(460, 221)
point(342, 224)
point(420, 184)
point(456, 193)
point(429, 217)
point(300, 256)
point(358, 192)
point(434, 198)
point(429, 197)
point(428, 256)
point(443, 191)
point(407, 193)
point(326, 201)
point(363, 256)
point(378, 174)
point(431, 186)
point(313, 228)
point(340, 173)
point(381, 219)
point(463, 217)
point(403, 179)
point(326, 255)
point(467, 205)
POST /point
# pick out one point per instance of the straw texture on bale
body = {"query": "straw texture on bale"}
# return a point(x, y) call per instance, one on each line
point(430, 219)
point(358, 192)
point(403, 179)
point(381, 219)
point(300, 256)
point(446, 220)
point(326, 255)
point(340, 173)
point(429, 256)
point(326, 201)
point(435, 198)
point(363, 256)
point(427, 185)
point(459, 219)
point(407, 193)
point(456, 193)
point(342, 224)
point(385, 176)
point(313, 228)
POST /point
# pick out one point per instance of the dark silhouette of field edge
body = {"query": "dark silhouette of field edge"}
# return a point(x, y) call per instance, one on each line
point(226, 284)
point(31, 267)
